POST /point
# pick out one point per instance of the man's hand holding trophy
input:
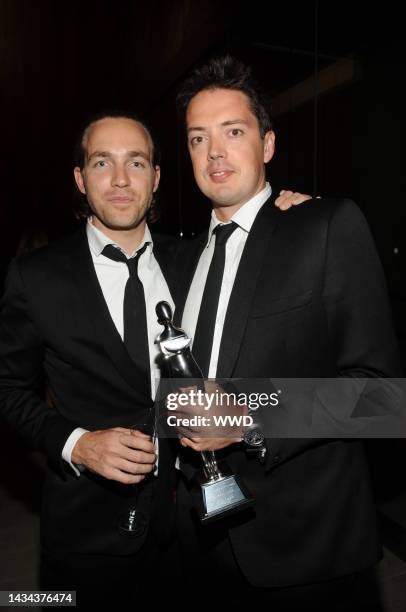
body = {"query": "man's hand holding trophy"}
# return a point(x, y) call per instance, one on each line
point(202, 425)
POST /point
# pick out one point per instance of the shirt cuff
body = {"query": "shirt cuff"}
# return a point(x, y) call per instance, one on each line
point(68, 448)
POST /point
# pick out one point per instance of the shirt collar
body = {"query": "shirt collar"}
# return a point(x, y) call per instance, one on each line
point(245, 216)
point(97, 240)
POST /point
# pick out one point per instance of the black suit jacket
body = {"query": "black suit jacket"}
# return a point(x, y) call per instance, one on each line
point(55, 325)
point(309, 300)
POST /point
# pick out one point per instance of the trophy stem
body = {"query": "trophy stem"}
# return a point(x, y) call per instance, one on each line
point(133, 522)
point(210, 465)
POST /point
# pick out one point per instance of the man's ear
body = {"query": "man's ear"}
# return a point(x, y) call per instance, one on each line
point(269, 146)
point(79, 179)
point(157, 178)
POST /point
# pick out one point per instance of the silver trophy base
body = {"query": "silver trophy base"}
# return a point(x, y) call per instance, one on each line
point(222, 497)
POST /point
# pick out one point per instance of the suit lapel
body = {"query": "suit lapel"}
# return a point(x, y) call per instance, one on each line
point(94, 304)
point(244, 287)
point(165, 250)
point(187, 259)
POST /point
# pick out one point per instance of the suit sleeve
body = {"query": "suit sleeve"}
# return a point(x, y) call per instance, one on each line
point(358, 315)
point(22, 375)
point(356, 301)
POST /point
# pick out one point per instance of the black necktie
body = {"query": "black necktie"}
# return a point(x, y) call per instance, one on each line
point(135, 314)
point(203, 340)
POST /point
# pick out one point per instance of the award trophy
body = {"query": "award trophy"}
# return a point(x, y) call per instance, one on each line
point(221, 492)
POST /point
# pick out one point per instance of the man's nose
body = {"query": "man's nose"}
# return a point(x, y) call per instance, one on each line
point(216, 148)
point(120, 177)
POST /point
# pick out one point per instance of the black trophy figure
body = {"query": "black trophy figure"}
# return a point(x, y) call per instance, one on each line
point(180, 363)
point(220, 493)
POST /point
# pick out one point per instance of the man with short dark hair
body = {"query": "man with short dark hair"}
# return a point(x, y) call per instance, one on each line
point(301, 295)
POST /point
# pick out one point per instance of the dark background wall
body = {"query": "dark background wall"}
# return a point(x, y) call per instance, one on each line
point(335, 73)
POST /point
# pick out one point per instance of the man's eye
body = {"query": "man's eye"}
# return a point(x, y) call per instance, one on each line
point(100, 164)
point(196, 140)
point(236, 132)
point(138, 164)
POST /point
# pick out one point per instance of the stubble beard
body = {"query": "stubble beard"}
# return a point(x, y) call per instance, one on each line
point(112, 223)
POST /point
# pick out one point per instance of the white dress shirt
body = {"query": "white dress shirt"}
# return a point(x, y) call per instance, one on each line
point(113, 276)
point(244, 218)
